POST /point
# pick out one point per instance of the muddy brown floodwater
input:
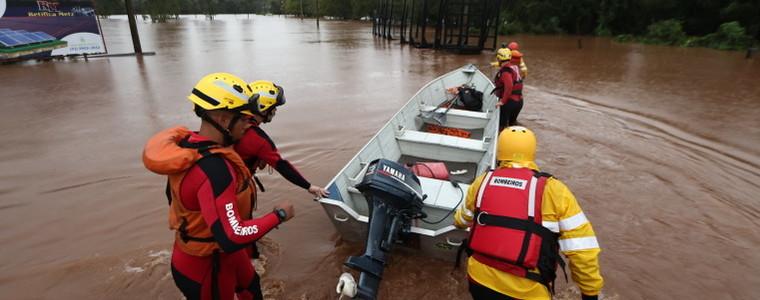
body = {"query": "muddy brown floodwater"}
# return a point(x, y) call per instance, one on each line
point(661, 146)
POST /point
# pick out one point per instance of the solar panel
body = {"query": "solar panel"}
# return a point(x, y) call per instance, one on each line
point(34, 37)
point(9, 41)
point(41, 37)
point(28, 38)
point(45, 35)
point(13, 38)
point(21, 38)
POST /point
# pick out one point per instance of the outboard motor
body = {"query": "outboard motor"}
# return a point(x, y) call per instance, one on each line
point(394, 198)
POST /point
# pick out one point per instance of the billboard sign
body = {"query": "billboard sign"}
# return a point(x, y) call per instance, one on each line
point(43, 28)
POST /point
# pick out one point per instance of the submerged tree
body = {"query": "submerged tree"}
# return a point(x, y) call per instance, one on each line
point(161, 10)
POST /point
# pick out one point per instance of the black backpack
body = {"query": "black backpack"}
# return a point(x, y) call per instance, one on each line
point(470, 98)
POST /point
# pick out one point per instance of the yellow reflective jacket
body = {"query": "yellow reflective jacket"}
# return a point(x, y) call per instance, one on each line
point(523, 69)
point(561, 213)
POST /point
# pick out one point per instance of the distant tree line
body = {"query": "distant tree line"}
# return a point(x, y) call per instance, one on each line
point(725, 24)
point(163, 10)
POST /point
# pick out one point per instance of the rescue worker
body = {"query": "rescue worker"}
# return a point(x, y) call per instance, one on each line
point(210, 194)
point(515, 61)
point(523, 67)
point(520, 219)
point(258, 150)
point(508, 89)
point(496, 63)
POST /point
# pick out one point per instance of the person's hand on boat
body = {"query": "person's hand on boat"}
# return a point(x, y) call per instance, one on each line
point(318, 191)
point(290, 212)
point(498, 103)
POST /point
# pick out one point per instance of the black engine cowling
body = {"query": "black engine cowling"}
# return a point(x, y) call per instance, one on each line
point(393, 183)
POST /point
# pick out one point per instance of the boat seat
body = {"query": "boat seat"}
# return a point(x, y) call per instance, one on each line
point(416, 136)
point(456, 112)
point(441, 193)
point(460, 118)
point(439, 146)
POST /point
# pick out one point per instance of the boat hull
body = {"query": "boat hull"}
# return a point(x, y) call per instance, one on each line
point(404, 139)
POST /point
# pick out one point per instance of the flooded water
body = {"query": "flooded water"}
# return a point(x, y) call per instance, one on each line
point(660, 145)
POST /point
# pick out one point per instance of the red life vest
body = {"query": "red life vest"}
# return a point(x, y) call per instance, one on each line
point(517, 84)
point(507, 233)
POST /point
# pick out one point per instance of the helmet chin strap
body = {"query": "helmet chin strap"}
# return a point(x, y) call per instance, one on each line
point(266, 117)
point(226, 132)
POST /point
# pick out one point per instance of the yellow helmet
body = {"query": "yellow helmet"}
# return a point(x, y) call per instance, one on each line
point(266, 95)
point(222, 91)
point(516, 144)
point(503, 54)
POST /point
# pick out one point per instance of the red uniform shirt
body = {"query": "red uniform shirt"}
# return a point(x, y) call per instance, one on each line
point(256, 147)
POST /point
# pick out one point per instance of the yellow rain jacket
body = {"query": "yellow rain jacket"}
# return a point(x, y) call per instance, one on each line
point(523, 69)
point(561, 213)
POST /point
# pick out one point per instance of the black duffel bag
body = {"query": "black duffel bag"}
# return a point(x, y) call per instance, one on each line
point(470, 99)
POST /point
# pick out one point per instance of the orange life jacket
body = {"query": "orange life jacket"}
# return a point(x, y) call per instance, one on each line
point(432, 128)
point(170, 153)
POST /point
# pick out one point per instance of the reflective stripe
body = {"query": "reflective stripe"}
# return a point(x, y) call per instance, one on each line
point(553, 226)
point(532, 197)
point(573, 222)
point(483, 185)
point(578, 243)
point(225, 86)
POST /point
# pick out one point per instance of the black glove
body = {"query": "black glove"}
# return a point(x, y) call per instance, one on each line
point(587, 297)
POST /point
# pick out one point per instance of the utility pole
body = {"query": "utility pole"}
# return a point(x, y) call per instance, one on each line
point(301, 10)
point(133, 27)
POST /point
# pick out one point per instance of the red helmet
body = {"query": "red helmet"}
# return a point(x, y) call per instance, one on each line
point(513, 46)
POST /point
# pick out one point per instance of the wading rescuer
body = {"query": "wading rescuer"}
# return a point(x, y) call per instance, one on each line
point(523, 67)
point(520, 219)
point(258, 150)
point(210, 194)
point(508, 88)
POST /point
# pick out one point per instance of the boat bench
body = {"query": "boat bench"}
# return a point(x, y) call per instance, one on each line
point(440, 146)
point(460, 118)
point(416, 136)
point(442, 194)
